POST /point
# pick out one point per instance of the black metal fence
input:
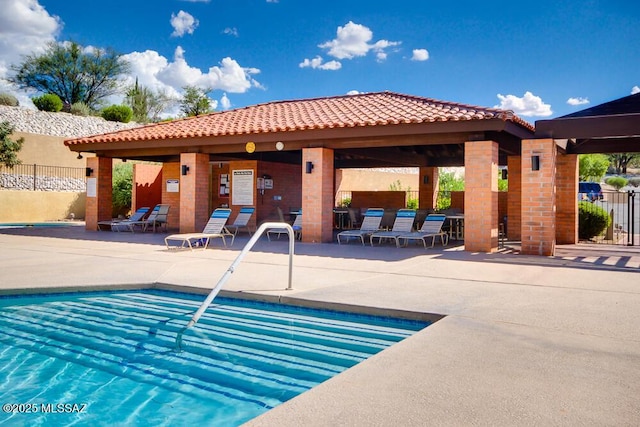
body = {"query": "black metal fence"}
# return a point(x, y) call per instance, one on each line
point(623, 209)
point(35, 177)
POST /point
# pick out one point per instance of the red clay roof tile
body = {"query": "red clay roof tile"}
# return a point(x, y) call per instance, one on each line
point(368, 109)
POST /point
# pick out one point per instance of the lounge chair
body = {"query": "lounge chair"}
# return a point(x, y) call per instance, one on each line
point(297, 229)
point(215, 228)
point(431, 227)
point(157, 218)
point(402, 224)
point(370, 224)
point(126, 224)
point(242, 221)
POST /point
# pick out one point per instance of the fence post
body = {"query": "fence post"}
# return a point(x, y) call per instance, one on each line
point(35, 169)
point(631, 214)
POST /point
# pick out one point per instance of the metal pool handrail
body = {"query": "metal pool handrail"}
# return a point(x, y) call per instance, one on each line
point(232, 267)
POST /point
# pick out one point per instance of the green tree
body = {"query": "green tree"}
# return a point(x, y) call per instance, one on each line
point(620, 161)
point(592, 167)
point(122, 182)
point(448, 182)
point(146, 104)
point(8, 147)
point(195, 101)
point(72, 73)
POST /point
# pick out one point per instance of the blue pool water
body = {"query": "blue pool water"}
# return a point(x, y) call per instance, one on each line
point(109, 358)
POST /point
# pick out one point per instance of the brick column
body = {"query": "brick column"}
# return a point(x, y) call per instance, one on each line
point(514, 197)
point(428, 191)
point(317, 195)
point(194, 192)
point(481, 196)
point(171, 171)
point(99, 192)
point(566, 199)
point(538, 197)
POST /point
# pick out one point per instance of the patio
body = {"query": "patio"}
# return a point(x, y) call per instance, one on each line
point(526, 340)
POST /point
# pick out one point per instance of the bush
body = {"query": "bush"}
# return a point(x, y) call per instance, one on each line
point(117, 113)
point(634, 182)
point(48, 102)
point(592, 220)
point(8, 99)
point(617, 182)
point(122, 182)
point(80, 109)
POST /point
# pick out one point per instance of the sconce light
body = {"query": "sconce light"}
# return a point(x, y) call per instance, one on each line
point(535, 163)
point(185, 169)
point(309, 167)
point(88, 172)
point(279, 146)
point(505, 174)
point(425, 179)
point(79, 156)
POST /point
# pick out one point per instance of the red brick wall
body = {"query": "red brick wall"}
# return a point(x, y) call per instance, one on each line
point(514, 199)
point(147, 190)
point(538, 198)
point(567, 203)
point(171, 171)
point(287, 187)
point(317, 195)
point(99, 208)
point(481, 196)
point(457, 200)
point(378, 199)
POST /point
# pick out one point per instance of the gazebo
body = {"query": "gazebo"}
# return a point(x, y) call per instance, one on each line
point(285, 153)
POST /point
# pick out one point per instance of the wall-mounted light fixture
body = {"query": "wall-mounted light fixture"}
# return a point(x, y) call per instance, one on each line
point(185, 169)
point(279, 145)
point(309, 167)
point(79, 156)
point(425, 179)
point(535, 163)
point(88, 172)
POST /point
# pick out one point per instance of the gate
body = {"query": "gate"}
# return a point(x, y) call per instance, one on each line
point(624, 210)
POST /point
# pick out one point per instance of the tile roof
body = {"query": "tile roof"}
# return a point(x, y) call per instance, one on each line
point(348, 111)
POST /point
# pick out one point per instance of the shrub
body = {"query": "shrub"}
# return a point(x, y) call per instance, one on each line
point(8, 99)
point(117, 113)
point(48, 102)
point(634, 182)
point(80, 109)
point(592, 220)
point(617, 182)
point(122, 182)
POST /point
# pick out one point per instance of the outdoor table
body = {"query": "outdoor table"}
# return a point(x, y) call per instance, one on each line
point(456, 226)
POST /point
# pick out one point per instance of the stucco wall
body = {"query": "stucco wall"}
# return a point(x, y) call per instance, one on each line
point(40, 206)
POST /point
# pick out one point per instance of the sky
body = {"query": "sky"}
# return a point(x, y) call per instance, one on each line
point(542, 59)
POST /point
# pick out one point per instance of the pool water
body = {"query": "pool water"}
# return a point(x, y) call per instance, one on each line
point(110, 358)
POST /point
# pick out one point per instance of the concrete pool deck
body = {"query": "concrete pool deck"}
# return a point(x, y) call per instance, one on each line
point(525, 340)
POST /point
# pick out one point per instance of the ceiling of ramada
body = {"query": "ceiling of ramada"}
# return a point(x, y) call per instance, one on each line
point(381, 129)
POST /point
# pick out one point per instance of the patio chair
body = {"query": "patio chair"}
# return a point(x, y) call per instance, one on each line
point(156, 219)
point(402, 224)
point(215, 228)
point(126, 224)
point(242, 221)
point(431, 227)
point(297, 229)
point(370, 224)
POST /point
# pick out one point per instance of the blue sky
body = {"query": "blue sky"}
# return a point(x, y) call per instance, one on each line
point(542, 59)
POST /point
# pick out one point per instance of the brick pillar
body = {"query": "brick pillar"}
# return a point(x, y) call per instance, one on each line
point(171, 173)
point(566, 199)
point(99, 192)
point(194, 192)
point(538, 198)
point(317, 195)
point(481, 196)
point(514, 197)
point(428, 191)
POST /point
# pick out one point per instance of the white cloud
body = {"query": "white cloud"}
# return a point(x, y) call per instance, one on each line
point(635, 89)
point(183, 23)
point(352, 40)
point(354, 92)
point(528, 105)
point(231, 31)
point(577, 101)
point(225, 103)
point(318, 62)
point(420, 55)
point(25, 28)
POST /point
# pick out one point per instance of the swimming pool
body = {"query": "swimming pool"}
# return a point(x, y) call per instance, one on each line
point(109, 358)
point(38, 224)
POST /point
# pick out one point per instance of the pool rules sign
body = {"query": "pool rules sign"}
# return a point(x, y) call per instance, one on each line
point(242, 187)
